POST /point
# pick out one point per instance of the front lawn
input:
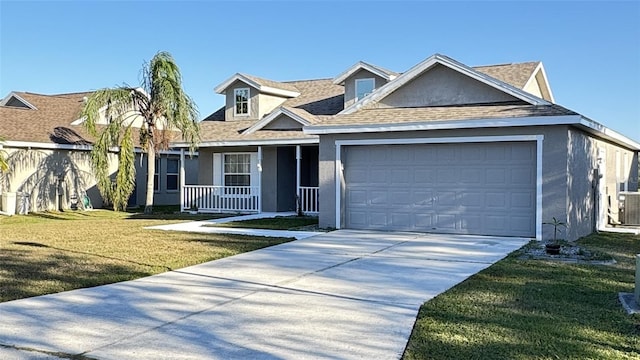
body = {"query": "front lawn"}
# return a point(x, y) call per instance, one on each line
point(536, 309)
point(52, 252)
point(277, 223)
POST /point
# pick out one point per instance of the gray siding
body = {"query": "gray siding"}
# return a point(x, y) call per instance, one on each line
point(269, 179)
point(163, 196)
point(443, 86)
point(230, 102)
point(286, 178)
point(283, 122)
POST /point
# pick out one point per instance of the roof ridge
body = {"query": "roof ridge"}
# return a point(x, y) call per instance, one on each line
point(506, 64)
point(55, 95)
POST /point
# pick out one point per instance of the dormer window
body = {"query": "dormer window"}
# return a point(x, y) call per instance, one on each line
point(364, 87)
point(241, 97)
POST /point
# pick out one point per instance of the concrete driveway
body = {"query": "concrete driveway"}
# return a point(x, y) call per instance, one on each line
point(345, 294)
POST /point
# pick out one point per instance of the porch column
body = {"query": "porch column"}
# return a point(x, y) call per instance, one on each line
point(182, 182)
point(259, 179)
point(298, 158)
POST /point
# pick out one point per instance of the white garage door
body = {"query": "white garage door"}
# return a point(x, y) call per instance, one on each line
point(470, 188)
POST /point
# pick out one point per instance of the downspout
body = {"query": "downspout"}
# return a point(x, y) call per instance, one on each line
point(298, 198)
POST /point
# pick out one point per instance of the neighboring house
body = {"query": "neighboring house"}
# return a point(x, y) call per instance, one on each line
point(49, 156)
point(442, 147)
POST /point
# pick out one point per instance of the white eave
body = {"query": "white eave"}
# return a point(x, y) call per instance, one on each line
point(4, 101)
point(436, 59)
point(272, 116)
point(264, 142)
point(220, 89)
point(578, 121)
point(361, 65)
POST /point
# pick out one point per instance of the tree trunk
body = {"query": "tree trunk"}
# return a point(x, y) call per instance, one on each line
point(151, 170)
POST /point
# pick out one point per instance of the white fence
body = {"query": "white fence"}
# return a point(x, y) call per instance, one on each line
point(210, 198)
point(309, 199)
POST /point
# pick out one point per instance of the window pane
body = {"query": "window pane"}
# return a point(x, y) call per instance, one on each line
point(156, 183)
point(237, 180)
point(172, 166)
point(172, 182)
point(364, 87)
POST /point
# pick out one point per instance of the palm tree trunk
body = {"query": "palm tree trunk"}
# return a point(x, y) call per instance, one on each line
point(151, 170)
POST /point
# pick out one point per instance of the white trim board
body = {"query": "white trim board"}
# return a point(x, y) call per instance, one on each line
point(13, 94)
point(272, 116)
point(361, 65)
point(579, 121)
point(251, 142)
point(339, 178)
point(220, 89)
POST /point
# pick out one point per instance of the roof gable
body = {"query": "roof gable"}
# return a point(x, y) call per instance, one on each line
point(361, 65)
point(539, 77)
point(262, 85)
point(445, 61)
point(15, 100)
point(299, 116)
point(442, 86)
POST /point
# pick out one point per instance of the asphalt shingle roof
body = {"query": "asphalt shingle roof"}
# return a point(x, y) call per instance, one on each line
point(445, 113)
point(50, 123)
point(512, 74)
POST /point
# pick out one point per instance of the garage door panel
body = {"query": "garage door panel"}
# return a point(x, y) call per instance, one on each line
point(460, 188)
point(424, 177)
point(445, 221)
point(378, 219)
point(472, 199)
point(401, 198)
point(520, 224)
point(357, 198)
point(377, 175)
point(378, 197)
point(423, 199)
point(522, 175)
point(400, 176)
point(522, 200)
point(496, 176)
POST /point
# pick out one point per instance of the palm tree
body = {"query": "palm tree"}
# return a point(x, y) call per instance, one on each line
point(4, 166)
point(164, 108)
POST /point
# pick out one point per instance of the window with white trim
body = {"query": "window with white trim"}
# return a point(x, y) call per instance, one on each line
point(237, 170)
point(364, 87)
point(173, 169)
point(241, 101)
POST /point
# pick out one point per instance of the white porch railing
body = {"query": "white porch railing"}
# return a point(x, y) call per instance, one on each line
point(213, 198)
point(309, 199)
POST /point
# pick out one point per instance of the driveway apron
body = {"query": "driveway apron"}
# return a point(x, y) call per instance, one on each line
point(342, 295)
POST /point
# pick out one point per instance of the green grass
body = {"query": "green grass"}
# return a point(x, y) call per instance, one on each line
point(52, 252)
point(534, 309)
point(277, 223)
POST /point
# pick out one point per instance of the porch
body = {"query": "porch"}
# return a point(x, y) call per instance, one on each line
point(254, 180)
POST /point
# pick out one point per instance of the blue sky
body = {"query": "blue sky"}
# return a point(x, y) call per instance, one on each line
point(591, 50)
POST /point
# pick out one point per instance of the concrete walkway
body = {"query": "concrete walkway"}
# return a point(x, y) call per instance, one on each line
point(208, 227)
point(340, 295)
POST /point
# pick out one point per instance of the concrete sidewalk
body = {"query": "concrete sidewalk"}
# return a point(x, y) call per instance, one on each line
point(207, 227)
point(345, 294)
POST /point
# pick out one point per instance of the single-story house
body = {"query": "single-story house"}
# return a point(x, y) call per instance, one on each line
point(48, 154)
point(442, 147)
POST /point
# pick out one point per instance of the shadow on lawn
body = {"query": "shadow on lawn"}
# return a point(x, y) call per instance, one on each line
point(24, 275)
